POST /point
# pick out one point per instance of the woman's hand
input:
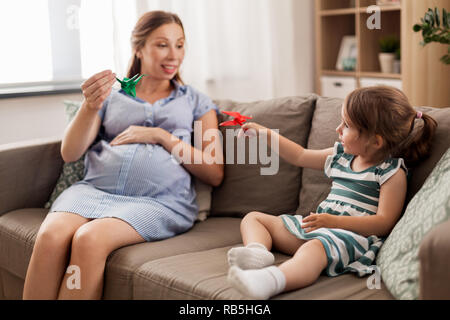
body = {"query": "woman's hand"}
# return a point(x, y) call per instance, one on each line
point(137, 134)
point(97, 88)
point(251, 129)
point(318, 220)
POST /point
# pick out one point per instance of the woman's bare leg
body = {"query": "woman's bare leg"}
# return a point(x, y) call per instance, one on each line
point(50, 254)
point(91, 245)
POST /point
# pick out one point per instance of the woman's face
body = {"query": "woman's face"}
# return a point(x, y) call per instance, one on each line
point(163, 52)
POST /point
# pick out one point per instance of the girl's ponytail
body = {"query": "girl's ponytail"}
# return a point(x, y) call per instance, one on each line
point(417, 146)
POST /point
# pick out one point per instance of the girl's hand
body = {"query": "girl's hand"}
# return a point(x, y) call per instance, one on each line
point(97, 88)
point(251, 129)
point(318, 220)
point(137, 134)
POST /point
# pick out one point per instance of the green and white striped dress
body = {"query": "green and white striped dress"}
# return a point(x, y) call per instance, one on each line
point(352, 194)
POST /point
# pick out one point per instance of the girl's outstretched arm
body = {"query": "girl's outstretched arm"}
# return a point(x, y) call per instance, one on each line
point(292, 152)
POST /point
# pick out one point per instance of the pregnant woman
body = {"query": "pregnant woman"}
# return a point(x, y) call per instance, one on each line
point(133, 190)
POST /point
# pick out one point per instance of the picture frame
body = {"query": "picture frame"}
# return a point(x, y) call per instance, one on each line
point(348, 54)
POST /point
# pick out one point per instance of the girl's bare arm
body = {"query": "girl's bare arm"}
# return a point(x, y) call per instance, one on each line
point(390, 206)
point(292, 152)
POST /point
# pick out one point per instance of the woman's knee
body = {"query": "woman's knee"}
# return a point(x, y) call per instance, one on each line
point(87, 243)
point(54, 235)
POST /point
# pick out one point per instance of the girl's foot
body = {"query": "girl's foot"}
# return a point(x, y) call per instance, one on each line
point(257, 284)
point(252, 256)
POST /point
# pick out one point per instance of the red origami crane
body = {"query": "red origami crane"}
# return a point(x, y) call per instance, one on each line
point(238, 120)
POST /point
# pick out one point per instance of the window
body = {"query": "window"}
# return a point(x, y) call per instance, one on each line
point(26, 49)
point(52, 45)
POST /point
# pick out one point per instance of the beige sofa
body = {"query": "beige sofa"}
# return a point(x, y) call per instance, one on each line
point(193, 265)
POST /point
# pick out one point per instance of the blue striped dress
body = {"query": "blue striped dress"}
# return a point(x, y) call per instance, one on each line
point(140, 184)
point(352, 194)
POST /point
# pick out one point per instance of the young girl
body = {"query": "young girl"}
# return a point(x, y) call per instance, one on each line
point(379, 132)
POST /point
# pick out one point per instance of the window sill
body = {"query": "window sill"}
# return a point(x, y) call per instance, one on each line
point(38, 89)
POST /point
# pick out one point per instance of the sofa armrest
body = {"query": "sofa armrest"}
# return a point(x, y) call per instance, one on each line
point(434, 256)
point(28, 173)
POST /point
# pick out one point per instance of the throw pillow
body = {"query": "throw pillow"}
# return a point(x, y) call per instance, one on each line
point(315, 185)
point(244, 187)
point(72, 171)
point(398, 258)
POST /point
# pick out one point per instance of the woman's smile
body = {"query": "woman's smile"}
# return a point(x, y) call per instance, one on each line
point(169, 69)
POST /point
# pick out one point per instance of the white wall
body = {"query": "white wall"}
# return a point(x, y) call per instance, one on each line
point(294, 51)
point(293, 74)
point(30, 118)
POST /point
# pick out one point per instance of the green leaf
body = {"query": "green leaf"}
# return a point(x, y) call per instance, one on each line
point(417, 27)
point(445, 19)
point(438, 19)
point(430, 14)
point(446, 59)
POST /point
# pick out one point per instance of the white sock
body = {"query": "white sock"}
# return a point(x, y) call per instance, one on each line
point(258, 284)
point(253, 256)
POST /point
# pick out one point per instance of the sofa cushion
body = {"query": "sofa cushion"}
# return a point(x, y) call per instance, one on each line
point(18, 230)
point(327, 115)
point(244, 187)
point(72, 171)
point(315, 185)
point(202, 275)
point(212, 233)
point(441, 142)
point(399, 256)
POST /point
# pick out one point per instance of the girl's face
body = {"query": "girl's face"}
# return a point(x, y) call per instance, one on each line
point(163, 52)
point(350, 136)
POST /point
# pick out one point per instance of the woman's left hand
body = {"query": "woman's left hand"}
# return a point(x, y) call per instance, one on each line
point(318, 220)
point(137, 134)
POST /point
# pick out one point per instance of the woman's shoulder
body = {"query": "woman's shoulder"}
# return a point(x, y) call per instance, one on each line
point(190, 91)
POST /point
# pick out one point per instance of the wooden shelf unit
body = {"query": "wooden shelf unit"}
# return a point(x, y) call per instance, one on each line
point(423, 76)
point(336, 19)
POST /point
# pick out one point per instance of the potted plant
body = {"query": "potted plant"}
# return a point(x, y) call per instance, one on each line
point(432, 31)
point(397, 62)
point(388, 46)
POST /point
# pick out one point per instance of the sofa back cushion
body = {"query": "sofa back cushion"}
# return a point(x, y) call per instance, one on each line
point(441, 142)
point(244, 188)
point(326, 118)
point(315, 185)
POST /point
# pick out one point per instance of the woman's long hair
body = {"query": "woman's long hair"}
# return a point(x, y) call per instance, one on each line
point(146, 24)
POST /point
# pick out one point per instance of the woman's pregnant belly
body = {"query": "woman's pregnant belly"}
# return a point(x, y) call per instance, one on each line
point(135, 170)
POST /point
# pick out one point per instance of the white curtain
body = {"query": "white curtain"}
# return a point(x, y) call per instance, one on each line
point(243, 50)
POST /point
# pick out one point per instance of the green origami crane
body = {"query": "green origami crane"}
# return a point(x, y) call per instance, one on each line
point(129, 85)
